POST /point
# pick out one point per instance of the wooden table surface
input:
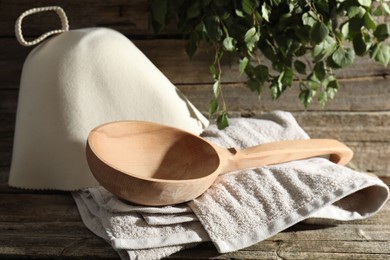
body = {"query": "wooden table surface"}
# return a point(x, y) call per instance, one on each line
point(46, 224)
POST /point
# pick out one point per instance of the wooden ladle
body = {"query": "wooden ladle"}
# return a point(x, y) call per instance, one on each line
point(153, 164)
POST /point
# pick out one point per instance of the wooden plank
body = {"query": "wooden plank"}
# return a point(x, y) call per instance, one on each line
point(38, 207)
point(340, 232)
point(368, 156)
point(332, 255)
point(371, 94)
point(208, 251)
point(64, 236)
point(56, 247)
point(346, 126)
point(295, 255)
point(5, 153)
point(171, 59)
point(130, 17)
point(4, 188)
point(12, 56)
point(65, 229)
point(293, 249)
point(371, 157)
point(60, 246)
point(365, 132)
point(351, 247)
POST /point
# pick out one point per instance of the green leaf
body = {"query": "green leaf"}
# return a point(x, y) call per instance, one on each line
point(261, 73)
point(382, 32)
point(242, 65)
point(343, 57)
point(225, 16)
point(366, 3)
point(313, 81)
point(265, 11)
point(331, 88)
point(249, 34)
point(324, 49)
point(191, 48)
point(274, 91)
point(213, 106)
point(308, 20)
point(314, 85)
point(322, 98)
point(378, 11)
point(320, 70)
point(254, 85)
point(258, 16)
point(319, 32)
point(158, 12)
point(382, 9)
point(280, 81)
point(223, 121)
point(385, 7)
point(194, 10)
point(192, 44)
point(355, 11)
point(359, 45)
point(239, 13)
point(213, 29)
point(322, 6)
point(300, 66)
point(248, 6)
point(369, 23)
point(216, 88)
point(345, 30)
point(287, 79)
point(306, 96)
point(381, 54)
point(355, 26)
point(251, 38)
point(229, 44)
point(213, 71)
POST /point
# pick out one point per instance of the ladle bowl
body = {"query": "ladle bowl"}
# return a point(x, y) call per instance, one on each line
point(152, 164)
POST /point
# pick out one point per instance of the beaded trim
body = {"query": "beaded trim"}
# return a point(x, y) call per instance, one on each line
point(18, 24)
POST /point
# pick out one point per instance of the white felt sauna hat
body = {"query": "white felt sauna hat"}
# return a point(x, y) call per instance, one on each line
point(73, 82)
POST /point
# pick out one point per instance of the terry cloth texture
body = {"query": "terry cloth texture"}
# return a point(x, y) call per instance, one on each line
point(240, 208)
point(74, 82)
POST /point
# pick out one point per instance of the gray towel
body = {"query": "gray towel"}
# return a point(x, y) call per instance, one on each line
point(126, 230)
point(240, 208)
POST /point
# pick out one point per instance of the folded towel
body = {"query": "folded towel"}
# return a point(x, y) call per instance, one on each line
point(89, 211)
point(240, 208)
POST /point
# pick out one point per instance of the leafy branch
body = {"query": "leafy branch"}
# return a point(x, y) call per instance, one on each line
point(332, 31)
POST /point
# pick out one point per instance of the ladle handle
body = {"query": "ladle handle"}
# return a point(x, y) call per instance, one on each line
point(285, 151)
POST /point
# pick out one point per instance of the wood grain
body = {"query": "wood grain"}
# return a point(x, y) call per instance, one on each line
point(131, 17)
point(24, 235)
point(142, 159)
point(370, 94)
point(171, 59)
point(365, 132)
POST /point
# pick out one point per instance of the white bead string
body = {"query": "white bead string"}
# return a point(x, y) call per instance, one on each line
point(18, 24)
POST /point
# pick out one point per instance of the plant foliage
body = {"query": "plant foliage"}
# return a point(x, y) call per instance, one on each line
point(334, 32)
